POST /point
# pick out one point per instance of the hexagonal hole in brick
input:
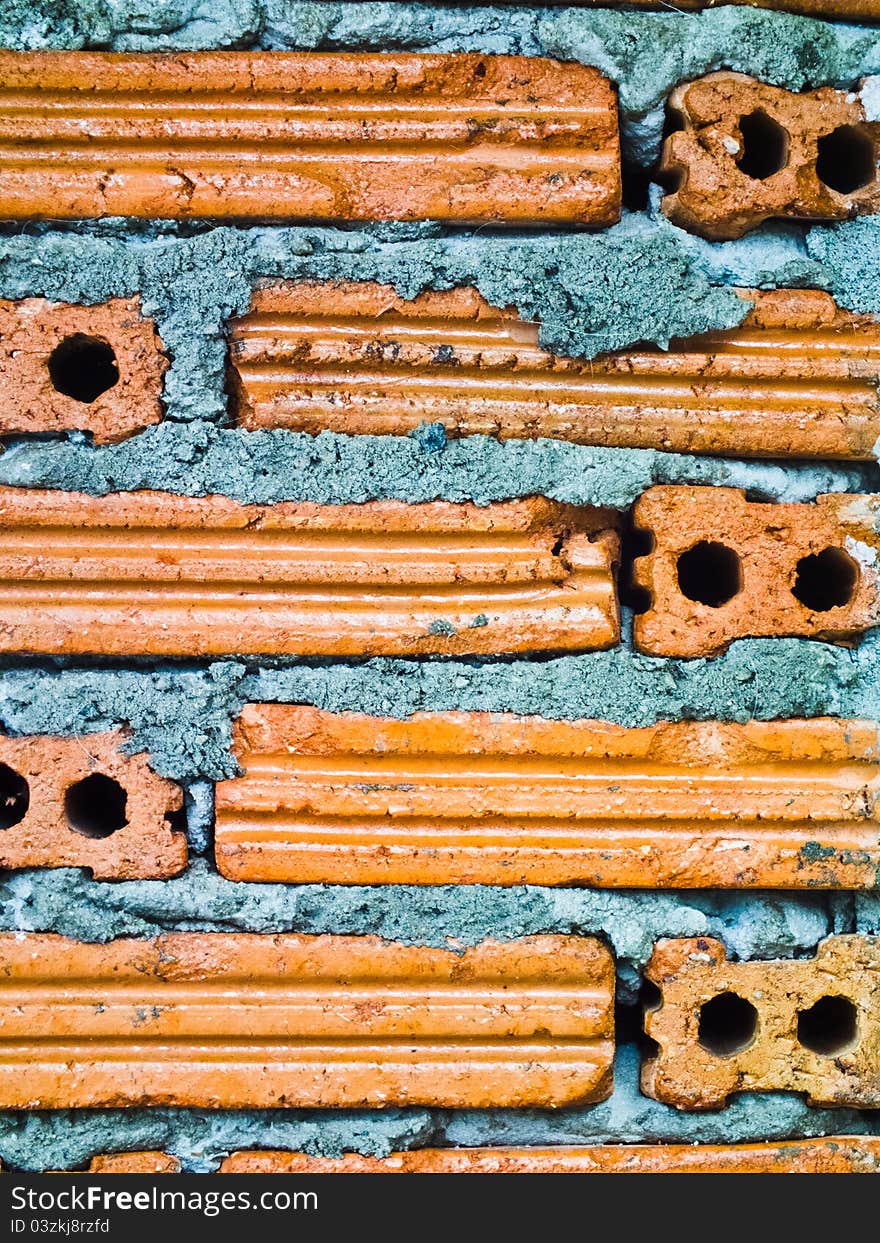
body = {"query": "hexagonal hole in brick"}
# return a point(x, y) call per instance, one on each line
point(829, 1026)
point(846, 159)
point(15, 797)
point(728, 1024)
point(96, 806)
point(710, 573)
point(825, 580)
point(83, 367)
point(764, 146)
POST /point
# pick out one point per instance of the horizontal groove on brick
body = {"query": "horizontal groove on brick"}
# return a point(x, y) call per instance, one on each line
point(83, 802)
point(797, 1025)
point(798, 378)
point(220, 1020)
point(65, 367)
point(477, 798)
point(278, 135)
point(722, 567)
point(835, 1154)
point(151, 573)
point(742, 152)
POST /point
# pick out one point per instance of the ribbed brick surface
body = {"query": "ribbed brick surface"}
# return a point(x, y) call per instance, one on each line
point(725, 568)
point(838, 1154)
point(280, 135)
point(82, 802)
point(460, 798)
point(236, 1021)
point(748, 152)
point(96, 369)
point(799, 378)
point(149, 573)
point(805, 1025)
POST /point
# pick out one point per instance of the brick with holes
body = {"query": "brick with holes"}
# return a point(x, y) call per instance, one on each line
point(722, 568)
point(798, 378)
point(748, 152)
point(63, 368)
point(797, 1025)
point(83, 802)
point(305, 135)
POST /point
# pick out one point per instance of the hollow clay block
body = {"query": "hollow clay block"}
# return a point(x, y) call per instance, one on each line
point(303, 135)
point(153, 574)
point(479, 798)
point(798, 378)
point(723, 568)
point(748, 152)
point(83, 802)
point(237, 1021)
point(791, 1025)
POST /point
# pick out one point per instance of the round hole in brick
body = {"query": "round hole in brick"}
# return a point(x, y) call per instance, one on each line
point(83, 367)
point(728, 1024)
point(96, 806)
point(15, 797)
point(710, 573)
point(829, 1026)
point(764, 146)
point(825, 580)
point(846, 160)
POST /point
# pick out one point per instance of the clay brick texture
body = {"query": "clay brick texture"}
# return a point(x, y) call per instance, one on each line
point(464, 798)
point(133, 1163)
point(799, 378)
point(82, 802)
point(747, 152)
point(220, 1020)
point(272, 135)
point(803, 1025)
point(95, 369)
point(838, 1154)
point(150, 573)
point(725, 568)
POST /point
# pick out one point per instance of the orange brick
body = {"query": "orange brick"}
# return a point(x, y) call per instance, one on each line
point(799, 378)
point(149, 573)
point(278, 135)
point(82, 802)
point(130, 1163)
point(838, 1154)
point(467, 798)
point(226, 1021)
point(96, 369)
point(725, 568)
point(748, 152)
point(855, 10)
point(790, 1025)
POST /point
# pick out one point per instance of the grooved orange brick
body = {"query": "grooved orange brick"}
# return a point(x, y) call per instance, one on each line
point(58, 362)
point(799, 378)
point(282, 135)
point(837, 1154)
point(149, 573)
point(748, 152)
point(466, 798)
point(226, 1021)
point(792, 1025)
point(82, 802)
point(725, 568)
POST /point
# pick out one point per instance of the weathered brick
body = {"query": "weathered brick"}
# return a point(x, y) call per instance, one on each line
point(82, 802)
point(150, 573)
point(220, 1020)
point(278, 135)
point(837, 1154)
point(466, 798)
point(96, 369)
point(748, 152)
point(132, 1163)
point(799, 378)
point(724, 568)
point(789, 1025)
